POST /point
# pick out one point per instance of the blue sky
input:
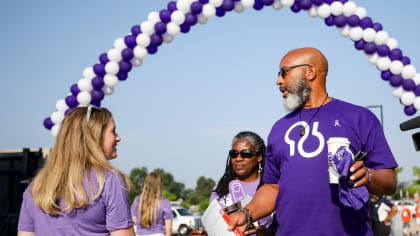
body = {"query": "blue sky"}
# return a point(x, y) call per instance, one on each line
point(180, 109)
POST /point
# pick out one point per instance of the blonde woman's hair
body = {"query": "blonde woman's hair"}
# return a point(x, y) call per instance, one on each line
point(149, 202)
point(76, 153)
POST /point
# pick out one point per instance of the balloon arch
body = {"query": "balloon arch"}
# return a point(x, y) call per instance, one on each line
point(160, 27)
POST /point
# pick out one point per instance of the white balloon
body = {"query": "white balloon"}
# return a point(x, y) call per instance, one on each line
point(173, 29)
point(177, 17)
point(247, 3)
point(84, 98)
point(209, 11)
point(139, 52)
point(369, 35)
point(88, 73)
point(383, 63)
point(324, 11)
point(277, 4)
point(202, 19)
point(153, 17)
point(110, 80)
point(416, 103)
point(397, 92)
point(85, 85)
point(287, 3)
point(349, 8)
point(167, 38)
point(216, 3)
point(313, 11)
point(57, 117)
point(114, 55)
point(408, 72)
point(238, 7)
point(396, 67)
point(417, 79)
point(392, 43)
point(108, 90)
point(356, 33)
point(373, 59)
point(407, 98)
point(61, 105)
point(147, 27)
point(119, 44)
point(143, 40)
point(136, 62)
point(183, 5)
point(336, 8)
point(360, 12)
point(112, 68)
point(345, 31)
point(55, 129)
point(381, 37)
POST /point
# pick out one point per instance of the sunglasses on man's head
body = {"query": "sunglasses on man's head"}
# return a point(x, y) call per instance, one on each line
point(245, 153)
point(283, 71)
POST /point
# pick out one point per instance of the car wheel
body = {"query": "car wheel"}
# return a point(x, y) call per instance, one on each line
point(183, 230)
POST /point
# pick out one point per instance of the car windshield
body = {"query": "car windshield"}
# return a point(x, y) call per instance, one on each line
point(184, 212)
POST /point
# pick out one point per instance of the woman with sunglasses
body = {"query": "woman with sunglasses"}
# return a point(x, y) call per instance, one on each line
point(243, 173)
point(78, 191)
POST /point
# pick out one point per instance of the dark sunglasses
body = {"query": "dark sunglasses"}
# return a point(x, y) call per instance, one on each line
point(283, 71)
point(245, 153)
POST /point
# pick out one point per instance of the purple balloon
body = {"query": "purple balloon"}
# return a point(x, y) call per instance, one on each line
point(165, 15)
point(220, 12)
point(99, 70)
point(156, 39)
point(135, 30)
point(48, 124)
point(190, 19)
point(395, 54)
point(228, 5)
point(97, 94)
point(130, 41)
point(329, 1)
point(340, 21)
point(127, 54)
point(204, 1)
point(103, 58)
point(122, 75)
point(366, 22)
point(71, 101)
point(74, 89)
point(95, 103)
point(295, 7)
point(395, 80)
point(405, 60)
point(185, 27)
point(317, 2)
point(408, 84)
point(410, 110)
point(360, 44)
point(417, 90)
point(267, 2)
point(171, 6)
point(152, 49)
point(258, 5)
point(343, 1)
point(98, 82)
point(196, 8)
point(383, 50)
point(124, 66)
point(305, 4)
point(377, 27)
point(329, 21)
point(160, 28)
point(353, 20)
point(370, 48)
point(386, 75)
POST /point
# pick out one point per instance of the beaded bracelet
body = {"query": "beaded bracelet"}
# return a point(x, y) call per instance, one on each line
point(369, 171)
point(248, 218)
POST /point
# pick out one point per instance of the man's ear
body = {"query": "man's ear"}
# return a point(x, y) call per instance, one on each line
point(311, 73)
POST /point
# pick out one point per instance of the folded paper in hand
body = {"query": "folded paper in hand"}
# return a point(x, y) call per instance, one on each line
point(215, 220)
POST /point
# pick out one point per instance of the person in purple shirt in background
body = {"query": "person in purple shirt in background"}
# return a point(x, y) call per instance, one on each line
point(243, 175)
point(297, 180)
point(78, 191)
point(152, 214)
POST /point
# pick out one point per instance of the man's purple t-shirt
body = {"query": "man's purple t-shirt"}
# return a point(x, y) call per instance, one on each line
point(306, 203)
point(164, 213)
point(109, 212)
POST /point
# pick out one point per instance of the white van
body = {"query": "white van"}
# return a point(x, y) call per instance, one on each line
point(184, 221)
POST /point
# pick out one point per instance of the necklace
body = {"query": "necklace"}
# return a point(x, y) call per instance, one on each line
point(302, 129)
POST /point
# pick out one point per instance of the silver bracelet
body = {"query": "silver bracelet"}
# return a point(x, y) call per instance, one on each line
point(249, 220)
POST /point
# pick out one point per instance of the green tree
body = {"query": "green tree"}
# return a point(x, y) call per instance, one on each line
point(137, 176)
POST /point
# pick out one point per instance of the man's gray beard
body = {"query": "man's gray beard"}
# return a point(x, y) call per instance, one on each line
point(292, 102)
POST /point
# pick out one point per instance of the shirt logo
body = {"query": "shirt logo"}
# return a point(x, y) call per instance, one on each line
point(293, 146)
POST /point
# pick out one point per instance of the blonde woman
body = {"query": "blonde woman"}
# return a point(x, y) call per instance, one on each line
point(78, 192)
point(152, 214)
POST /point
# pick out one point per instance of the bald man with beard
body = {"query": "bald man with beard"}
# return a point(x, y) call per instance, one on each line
point(297, 182)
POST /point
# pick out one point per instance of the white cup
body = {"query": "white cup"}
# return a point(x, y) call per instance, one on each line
point(333, 144)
